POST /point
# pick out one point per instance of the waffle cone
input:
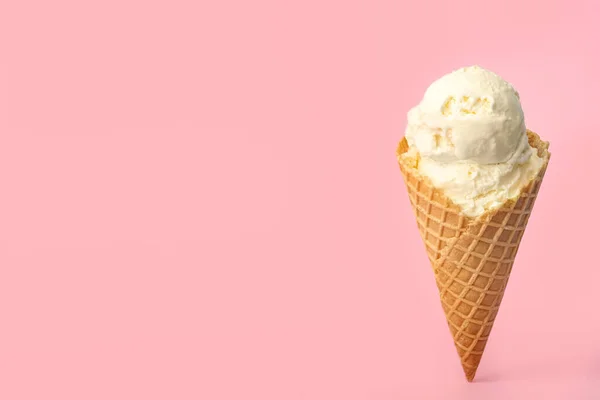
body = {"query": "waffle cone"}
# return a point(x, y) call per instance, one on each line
point(471, 257)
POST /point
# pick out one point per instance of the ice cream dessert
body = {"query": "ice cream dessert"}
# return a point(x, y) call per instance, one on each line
point(472, 171)
point(469, 132)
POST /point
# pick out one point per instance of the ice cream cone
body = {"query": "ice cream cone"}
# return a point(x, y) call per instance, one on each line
point(471, 257)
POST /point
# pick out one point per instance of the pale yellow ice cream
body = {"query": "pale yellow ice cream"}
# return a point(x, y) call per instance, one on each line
point(469, 135)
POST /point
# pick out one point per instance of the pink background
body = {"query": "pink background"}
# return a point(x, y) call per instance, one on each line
point(200, 200)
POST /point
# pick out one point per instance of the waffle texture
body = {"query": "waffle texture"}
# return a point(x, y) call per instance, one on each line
point(471, 257)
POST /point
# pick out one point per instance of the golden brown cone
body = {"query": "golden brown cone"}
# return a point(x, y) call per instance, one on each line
point(471, 257)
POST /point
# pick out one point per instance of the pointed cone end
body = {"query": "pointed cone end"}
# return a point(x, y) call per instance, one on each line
point(469, 372)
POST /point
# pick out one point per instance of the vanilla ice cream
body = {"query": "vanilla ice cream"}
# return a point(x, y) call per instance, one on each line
point(468, 135)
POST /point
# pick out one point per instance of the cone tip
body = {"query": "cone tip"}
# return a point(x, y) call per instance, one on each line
point(470, 373)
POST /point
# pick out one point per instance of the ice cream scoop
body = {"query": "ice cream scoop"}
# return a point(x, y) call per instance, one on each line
point(471, 114)
point(470, 137)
